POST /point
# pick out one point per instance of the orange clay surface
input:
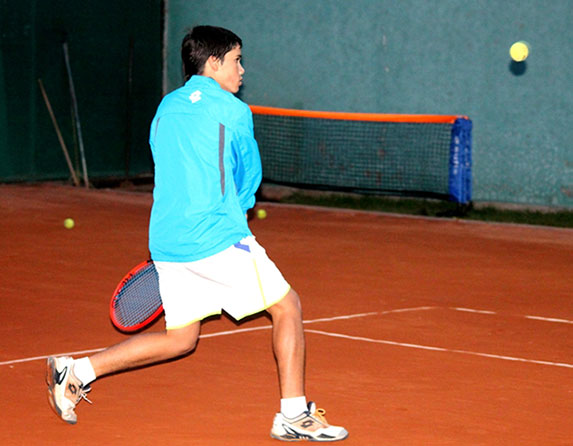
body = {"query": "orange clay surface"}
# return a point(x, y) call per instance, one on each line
point(419, 331)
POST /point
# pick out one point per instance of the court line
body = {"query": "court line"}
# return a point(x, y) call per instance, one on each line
point(471, 310)
point(312, 321)
point(537, 318)
point(336, 318)
point(440, 349)
point(372, 313)
point(37, 358)
point(229, 332)
point(549, 319)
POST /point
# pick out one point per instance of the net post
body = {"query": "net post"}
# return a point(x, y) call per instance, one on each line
point(460, 173)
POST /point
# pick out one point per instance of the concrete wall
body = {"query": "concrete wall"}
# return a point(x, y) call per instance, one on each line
point(417, 56)
point(114, 124)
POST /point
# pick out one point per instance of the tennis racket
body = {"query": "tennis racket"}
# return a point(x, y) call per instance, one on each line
point(136, 301)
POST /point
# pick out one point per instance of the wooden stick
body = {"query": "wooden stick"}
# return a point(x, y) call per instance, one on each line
point(128, 109)
point(76, 114)
point(58, 132)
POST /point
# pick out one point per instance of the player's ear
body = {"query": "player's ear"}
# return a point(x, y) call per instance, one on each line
point(213, 63)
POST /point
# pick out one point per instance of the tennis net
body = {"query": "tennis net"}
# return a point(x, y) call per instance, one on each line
point(411, 155)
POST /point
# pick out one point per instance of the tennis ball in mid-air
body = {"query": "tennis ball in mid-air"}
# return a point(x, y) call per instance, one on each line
point(519, 51)
point(69, 223)
point(261, 213)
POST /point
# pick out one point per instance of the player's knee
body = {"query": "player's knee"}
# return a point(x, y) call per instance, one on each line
point(289, 306)
point(183, 341)
point(294, 302)
point(186, 346)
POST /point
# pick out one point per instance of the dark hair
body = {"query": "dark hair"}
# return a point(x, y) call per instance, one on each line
point(201, 43)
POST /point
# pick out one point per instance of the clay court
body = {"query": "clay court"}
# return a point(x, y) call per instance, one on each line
point(419, 331)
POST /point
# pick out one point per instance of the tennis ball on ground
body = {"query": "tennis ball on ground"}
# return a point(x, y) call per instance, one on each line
point(69, 223)
point(519, 51)
point(261, 213)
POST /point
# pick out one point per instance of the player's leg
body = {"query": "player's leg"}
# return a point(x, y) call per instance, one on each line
point(251, 274)
point(66, 378)
point(183, 311)
point(289, 344)
point(296, 420)
point(146, 348)
point(69, 379)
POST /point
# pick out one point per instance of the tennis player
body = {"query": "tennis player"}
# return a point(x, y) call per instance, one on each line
point(207, 170)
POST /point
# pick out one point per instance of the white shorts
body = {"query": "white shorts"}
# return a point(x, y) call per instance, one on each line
point(241, 280)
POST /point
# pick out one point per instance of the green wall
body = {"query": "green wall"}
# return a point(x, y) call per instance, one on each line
point(114, 124)
point(417, 56)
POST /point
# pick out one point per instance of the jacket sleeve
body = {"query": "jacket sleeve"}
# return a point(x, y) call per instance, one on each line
point(247, 170)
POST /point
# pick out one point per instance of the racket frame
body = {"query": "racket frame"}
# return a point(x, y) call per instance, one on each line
point(112, 304)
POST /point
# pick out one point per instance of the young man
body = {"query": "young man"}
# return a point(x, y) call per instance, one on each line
point(207, 170)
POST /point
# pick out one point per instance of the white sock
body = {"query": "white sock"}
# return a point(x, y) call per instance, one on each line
point(293, 407)
point(84, 371)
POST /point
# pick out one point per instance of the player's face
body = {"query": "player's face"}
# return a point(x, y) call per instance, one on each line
point(230, 72)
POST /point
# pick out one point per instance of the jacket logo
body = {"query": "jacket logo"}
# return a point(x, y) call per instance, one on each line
point(195, 96)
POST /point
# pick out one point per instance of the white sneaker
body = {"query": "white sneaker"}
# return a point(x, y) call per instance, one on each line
point(65, 390)
point(310, 425)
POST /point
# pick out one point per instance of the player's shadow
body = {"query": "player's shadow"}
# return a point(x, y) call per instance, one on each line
point(518, 68)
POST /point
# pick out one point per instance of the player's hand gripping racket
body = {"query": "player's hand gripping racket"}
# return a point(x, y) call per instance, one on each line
point(136, 301)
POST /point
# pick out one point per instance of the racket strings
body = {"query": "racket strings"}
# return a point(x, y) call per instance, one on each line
point(139, 298)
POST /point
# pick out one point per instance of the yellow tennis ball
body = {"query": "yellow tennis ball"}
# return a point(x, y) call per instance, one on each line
point(69, 223)
point(261, 213)
point(519, 51)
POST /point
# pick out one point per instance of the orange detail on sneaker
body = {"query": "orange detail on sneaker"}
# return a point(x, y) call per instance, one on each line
point(311, 425)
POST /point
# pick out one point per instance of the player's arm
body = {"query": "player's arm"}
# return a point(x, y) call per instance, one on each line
point(247, 171)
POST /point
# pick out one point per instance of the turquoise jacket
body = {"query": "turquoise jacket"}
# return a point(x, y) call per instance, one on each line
point(207, 170)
